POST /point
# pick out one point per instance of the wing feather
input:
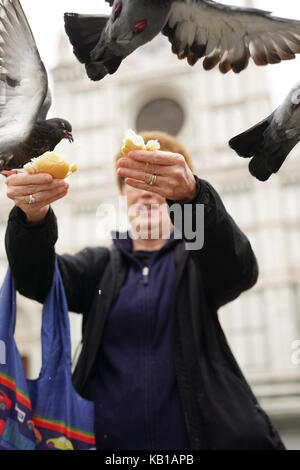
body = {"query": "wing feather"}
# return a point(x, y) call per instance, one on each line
point(23, 78)
point(42, 115)
point(229, 36)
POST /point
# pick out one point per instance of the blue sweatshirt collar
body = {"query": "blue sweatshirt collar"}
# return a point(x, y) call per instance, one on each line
point(124, 243)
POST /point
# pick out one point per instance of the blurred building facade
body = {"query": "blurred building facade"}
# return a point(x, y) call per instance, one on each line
point(204, 110)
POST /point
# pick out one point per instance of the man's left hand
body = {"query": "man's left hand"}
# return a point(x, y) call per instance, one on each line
point(175, 180)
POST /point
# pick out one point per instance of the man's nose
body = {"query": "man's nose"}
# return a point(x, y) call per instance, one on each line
point(148, 195)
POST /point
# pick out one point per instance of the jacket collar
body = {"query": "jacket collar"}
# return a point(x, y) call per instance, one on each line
point(123, 242)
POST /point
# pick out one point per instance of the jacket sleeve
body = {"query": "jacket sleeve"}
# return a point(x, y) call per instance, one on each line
point(226, 258)
point(31, 255)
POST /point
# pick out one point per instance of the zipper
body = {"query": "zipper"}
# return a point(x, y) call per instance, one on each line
point(148, 392)
point(145, 273)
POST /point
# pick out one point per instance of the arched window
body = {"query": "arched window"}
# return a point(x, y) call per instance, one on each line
point(162, 114)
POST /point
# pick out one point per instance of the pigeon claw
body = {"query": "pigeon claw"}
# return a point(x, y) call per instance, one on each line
point(8, 173)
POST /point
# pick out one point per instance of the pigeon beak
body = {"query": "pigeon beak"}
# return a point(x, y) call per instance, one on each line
point(68, 136)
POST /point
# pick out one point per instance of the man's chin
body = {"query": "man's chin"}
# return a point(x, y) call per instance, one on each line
point(147, 230)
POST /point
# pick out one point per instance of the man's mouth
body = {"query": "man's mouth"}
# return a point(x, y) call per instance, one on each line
point(68, 136)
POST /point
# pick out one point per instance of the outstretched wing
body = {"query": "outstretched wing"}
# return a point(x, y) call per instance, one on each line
point(23, 78)
point(229, 36)
point(42, 115)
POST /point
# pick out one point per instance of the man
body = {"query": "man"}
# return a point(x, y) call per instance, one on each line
point(154, 359)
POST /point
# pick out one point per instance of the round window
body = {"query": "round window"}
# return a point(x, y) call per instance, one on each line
point(161, 114)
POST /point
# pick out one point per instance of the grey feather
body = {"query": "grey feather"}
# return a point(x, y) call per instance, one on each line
point(221, 34)
point(239, 34)
point(83, 32)
point(270, 141)
point(24, 95)
point(42, 115)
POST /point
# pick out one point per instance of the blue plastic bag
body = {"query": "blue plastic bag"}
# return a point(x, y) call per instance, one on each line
point(45, 413)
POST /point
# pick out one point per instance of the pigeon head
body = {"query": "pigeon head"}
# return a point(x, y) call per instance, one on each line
point(60, 129)
point(296, 98)
point(132, 23)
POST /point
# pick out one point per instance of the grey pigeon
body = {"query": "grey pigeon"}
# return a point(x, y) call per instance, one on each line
point(24, 95)
point(221, 34)
point(270, 141)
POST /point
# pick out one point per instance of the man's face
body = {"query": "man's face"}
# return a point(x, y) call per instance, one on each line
point(147, 213)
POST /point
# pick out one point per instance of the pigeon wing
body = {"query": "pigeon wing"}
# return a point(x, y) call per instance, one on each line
point(23, 78)
point(42, 116)
point(229, 36)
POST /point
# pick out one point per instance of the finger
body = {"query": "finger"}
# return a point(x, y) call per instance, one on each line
point(8, 173)
point(143, 166)
point(39, 205)
point(136, 175)
point(22, 179)
point(45, 197)
point(26, 190)
point(156, 158)
point(58, 196)
point(42, 198)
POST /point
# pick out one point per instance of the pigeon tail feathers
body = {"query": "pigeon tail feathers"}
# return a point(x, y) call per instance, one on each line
point(96, 71)
point(269, 161)
point(248, 143)
point(83, 32)
point(258, 167)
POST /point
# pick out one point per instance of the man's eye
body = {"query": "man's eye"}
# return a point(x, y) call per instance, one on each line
point(117, 11)
point(140, 26)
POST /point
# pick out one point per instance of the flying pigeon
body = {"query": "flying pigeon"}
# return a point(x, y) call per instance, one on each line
point(24, 95)
point(270, 141)
point(221, 34)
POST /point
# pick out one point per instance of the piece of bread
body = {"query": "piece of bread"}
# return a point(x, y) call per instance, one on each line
point(52, 164)
point(133, 141)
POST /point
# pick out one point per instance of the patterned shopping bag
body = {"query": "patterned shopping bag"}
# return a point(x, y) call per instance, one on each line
point(46, 413)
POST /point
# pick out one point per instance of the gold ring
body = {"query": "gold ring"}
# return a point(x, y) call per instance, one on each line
point(32, 199)
point(153, 180)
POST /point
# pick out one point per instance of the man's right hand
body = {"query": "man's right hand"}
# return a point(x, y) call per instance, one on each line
point(43, 187)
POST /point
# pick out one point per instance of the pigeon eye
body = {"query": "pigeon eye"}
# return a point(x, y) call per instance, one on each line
point(117, 11)
point(140, 26)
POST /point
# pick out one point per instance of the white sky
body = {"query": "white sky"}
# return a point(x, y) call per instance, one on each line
point(46, 20)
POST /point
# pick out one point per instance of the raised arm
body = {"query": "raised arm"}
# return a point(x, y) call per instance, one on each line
point(30, 246)
point(227, 260)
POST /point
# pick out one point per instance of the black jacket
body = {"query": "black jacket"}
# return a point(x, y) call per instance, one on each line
point(220, 409)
